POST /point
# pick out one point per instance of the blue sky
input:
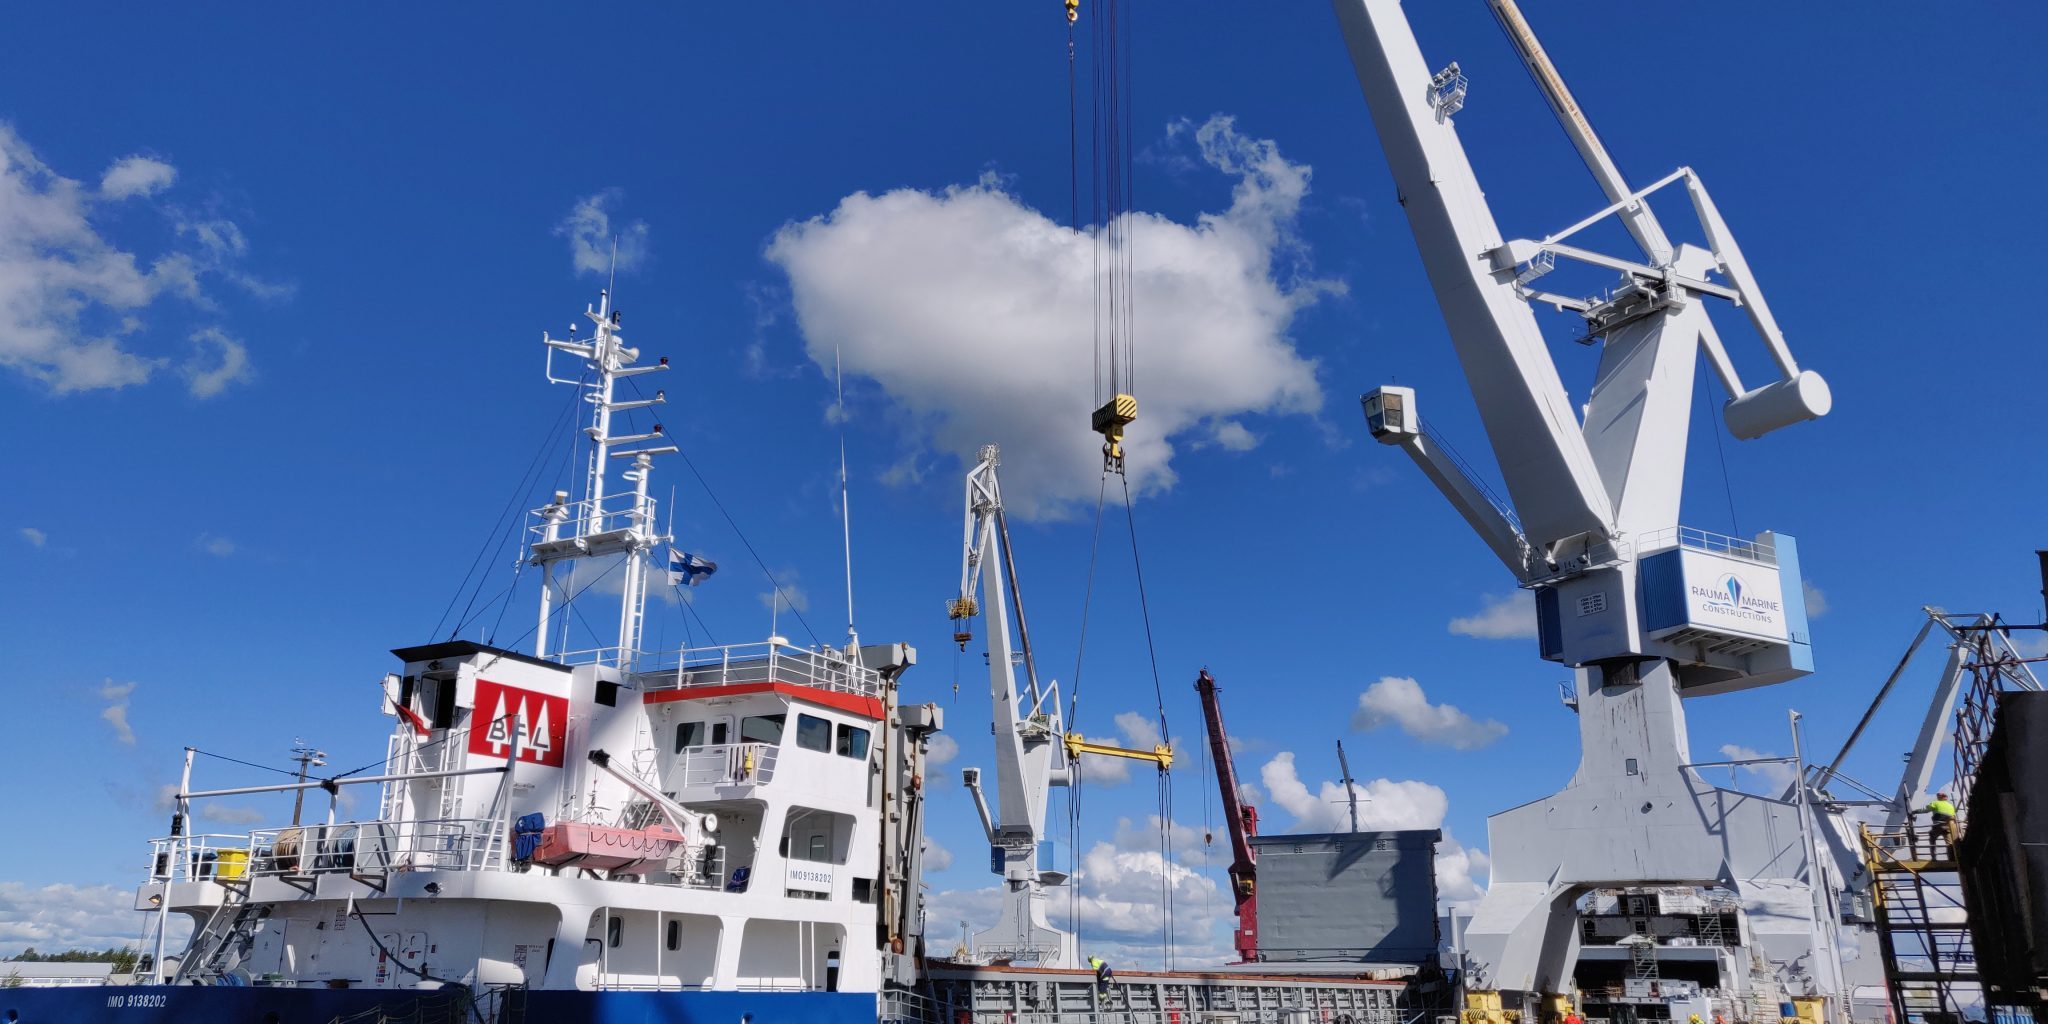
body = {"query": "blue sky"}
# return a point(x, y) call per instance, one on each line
point(346, 236)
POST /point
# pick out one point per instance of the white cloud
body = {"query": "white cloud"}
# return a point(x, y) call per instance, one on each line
point(1460, 873)
point(1777, 775)
point(940, 750)
point(1816, 601)
point(230, 814)
point(1232, 436)
point(1506, 617)
point(591, 234)
point(60, 917)
point(785, 594)
point(71, 301)
point(936, 857)
point(36, 538)
point(973, 313)
point(116, 712)
point(1382, 803)
point(1400, 700)
point(217, 361)
point(1120, 904)
point(219, 547)
point(136, 176)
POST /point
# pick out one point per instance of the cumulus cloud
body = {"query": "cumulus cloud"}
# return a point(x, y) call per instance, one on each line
point(1119, 900)
point(1506, 617)
point(973, 312)
point(1382, 803)
point(1777, 775)
point(136, 176)
point(1816, 601)
point(1461, 873)
point(217, 361)
point(35, 538)
point(73, 302)
point(60, 917)
point(116, 712)
point(936, 857)
point(940, 750)
point(219, 547)
point(592, 232)
point(1400, 701)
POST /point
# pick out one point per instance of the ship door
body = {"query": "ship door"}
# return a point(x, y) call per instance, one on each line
point(721, 731)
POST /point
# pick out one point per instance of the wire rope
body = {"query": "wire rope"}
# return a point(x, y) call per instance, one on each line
point(741, 534)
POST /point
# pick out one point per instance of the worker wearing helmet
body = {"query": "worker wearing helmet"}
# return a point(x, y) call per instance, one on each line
point(1103, 975)
point(1571, 1015)
point(1695, 1019)
point(1943, 811)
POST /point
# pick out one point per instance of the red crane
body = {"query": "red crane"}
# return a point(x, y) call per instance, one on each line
point(1243, 820)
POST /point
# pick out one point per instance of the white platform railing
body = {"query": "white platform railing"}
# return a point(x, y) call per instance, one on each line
point(726, 764)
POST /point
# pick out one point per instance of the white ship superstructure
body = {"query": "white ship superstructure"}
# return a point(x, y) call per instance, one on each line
point(732, 818)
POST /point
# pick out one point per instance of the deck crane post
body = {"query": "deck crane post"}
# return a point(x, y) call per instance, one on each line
point(1031, 756)
point(1034, 751)
point(1645, 610)
point(1242, 819)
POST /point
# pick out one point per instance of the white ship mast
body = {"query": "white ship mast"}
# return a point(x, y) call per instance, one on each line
point(602, 525)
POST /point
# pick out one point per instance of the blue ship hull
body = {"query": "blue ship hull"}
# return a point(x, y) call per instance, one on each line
point(151, 1004)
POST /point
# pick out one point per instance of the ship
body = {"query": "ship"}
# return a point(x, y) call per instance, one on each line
point(615, 834)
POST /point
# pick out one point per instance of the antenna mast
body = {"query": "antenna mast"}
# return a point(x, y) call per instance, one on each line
point(1350, 791)
point(845, 510)
point(604, 525)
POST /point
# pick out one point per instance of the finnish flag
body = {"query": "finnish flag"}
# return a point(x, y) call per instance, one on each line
point(688, 570)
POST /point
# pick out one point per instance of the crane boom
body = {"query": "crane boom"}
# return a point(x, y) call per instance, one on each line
point(1241, 818)
point(1543, 458)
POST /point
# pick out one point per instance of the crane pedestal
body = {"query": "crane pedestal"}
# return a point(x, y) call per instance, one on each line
point(1636, 815)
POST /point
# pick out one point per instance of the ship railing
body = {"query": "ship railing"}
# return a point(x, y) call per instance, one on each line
point(736, 664)
point(1762, 552)
point(901, 1006)
point(375, 847)
point(199, 858)
point(610, 514)
point(726, 764)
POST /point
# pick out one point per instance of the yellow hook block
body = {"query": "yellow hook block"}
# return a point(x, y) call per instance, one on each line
point(1110, 421)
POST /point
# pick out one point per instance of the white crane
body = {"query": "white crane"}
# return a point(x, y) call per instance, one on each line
point(1031, 753)
point(1646, 611)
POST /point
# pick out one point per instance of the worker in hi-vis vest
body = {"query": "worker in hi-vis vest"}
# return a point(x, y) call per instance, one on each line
point(1103, 975)
point(1944, 814)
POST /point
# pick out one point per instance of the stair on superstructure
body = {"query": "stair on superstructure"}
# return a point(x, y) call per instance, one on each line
point(223, 941)
point(1922, 928)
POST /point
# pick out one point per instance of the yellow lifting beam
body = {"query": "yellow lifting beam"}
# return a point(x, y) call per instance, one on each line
point(1161, 755)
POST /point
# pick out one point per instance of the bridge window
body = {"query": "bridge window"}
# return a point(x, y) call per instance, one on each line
point(762, 729)
point(813, 733)
point(689, 734)
point(852, 742)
